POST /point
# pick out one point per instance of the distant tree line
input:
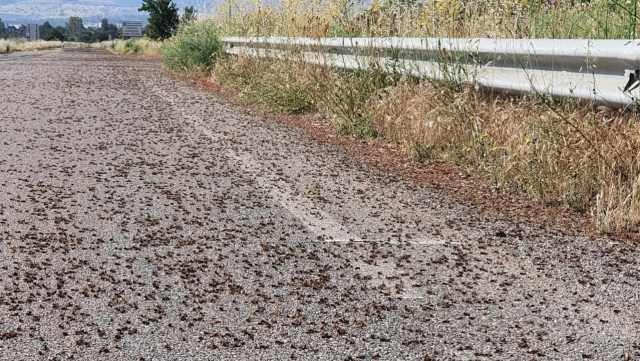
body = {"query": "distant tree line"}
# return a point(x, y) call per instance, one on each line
point(163, 23)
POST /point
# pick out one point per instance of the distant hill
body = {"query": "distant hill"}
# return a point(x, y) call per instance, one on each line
point(57, 11)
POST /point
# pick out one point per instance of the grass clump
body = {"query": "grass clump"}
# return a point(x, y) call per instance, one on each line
point(601, 19)
point(194, 49)
point(143, 46)
point(293, 86)
point(345, 95)
point(275, 85)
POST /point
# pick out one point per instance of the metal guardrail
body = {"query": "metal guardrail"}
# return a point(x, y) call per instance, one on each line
point(601, 71)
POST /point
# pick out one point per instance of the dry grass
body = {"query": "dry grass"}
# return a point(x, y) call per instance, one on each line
point(585, 158)
point(9, 46)
point(604, 19)
point(272, 84)
point(142, 46)
point(294, 86)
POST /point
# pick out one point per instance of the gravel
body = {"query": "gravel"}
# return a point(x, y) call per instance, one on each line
point(142, 218)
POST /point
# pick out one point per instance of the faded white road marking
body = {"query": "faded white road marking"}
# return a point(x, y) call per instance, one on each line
point(317, 221)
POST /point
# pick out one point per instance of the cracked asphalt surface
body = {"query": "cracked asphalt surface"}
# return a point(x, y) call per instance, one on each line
point(142, 218)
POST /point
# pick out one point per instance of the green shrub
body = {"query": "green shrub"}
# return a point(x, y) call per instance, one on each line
point(194, 48)
point(345, 96)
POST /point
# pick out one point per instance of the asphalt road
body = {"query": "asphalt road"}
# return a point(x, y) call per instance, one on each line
point(144, 219)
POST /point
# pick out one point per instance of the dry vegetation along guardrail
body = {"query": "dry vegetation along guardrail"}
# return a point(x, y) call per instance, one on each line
point(592, 70)
point(142, 46)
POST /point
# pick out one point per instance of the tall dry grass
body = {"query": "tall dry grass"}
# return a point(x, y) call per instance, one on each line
point(602, 19)
point(142, 46)
point(583, 157)
point(277, 87)
point(9, 46)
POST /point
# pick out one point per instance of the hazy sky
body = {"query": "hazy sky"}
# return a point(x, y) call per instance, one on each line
point(22, 11)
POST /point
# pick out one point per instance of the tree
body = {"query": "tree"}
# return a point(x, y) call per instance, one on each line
point(189, 14)
point(75, 26)
point(46, 31)
point(90, 36)
point(163, 18)
point(107, 31)
point(2, 28)
point(58, 34)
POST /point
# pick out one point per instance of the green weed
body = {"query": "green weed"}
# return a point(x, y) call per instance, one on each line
point(194, 49)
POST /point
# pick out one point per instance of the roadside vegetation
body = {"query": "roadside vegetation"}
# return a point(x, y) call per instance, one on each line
point(9, 46)
point(143, 46)
point(563, 153)
point(194, 48)
point(594, 19)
